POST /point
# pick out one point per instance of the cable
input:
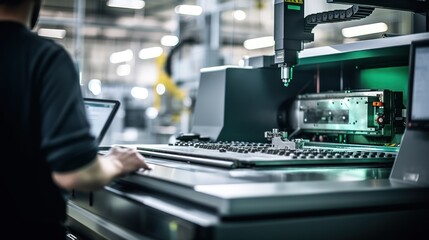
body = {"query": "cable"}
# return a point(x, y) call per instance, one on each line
point(168, 63)
point(355, 12)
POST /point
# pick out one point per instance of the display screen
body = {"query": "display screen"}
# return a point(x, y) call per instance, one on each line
point(418, 112)
point(420, 94)
point(100, 114)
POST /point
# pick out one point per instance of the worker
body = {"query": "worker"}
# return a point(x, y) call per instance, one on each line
point(46, 134)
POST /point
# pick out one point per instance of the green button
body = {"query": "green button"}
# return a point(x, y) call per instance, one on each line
point(294, 7)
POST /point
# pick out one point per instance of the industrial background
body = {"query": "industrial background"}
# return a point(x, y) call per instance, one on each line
point(260, 119)
point(149, 55)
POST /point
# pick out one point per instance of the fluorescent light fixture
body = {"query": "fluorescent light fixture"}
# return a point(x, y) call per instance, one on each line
point(80, 78)
point(91, 31)
point(187, 102)
point(115, 32)
point(152, 112)
point(52, 33)
point(123, 70)
point(256, 43)
point(170, 25)
point(160, 89)
point(148, 53)
point(193, 10)
point(131, 4)
point(139, 92)
point(94, 86)
point(239, 15)
point(122, 56)
point(169, 40)
point(364, 30)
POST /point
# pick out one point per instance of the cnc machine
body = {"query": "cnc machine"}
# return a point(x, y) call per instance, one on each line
point(325, 156)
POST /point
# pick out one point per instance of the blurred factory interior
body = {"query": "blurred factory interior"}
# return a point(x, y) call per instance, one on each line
point(148, 54)
point(237, 149)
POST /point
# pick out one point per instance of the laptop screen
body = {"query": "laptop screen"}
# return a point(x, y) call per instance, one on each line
point(418, 113)
point(100, 114)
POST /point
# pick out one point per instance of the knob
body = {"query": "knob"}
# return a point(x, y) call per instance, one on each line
point(380, 120)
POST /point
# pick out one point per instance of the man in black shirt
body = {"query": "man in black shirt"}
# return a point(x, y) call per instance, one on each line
point(45, 131)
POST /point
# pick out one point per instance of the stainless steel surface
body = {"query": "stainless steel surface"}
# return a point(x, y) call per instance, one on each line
point(279, 189)
point(178, 200)
point(186, 200)
point(191, 175)
point(237, 192)
point(412, 163)
point(200, 160)
point(100, 226)
point(187, 220)
point(365, 45)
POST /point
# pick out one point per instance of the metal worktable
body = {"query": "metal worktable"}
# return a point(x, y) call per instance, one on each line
point(180, 200)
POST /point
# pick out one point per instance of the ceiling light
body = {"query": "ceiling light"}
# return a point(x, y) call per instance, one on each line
point(132, 4)
point(193, 10)
point(152, 112)
point(123, 70)
point(169, 40)
point(170, 25)
point(160, 89)
point(91, 31)
point(364, 30)
point(115, 32)
point(187, 102)
point(239, 15)
point(52, 33)
point(148, 53)
point(122, 56)
point(94, 86)
point(257, 43)
point(139, 92)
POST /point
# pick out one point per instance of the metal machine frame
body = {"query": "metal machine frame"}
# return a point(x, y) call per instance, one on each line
point(185, 197)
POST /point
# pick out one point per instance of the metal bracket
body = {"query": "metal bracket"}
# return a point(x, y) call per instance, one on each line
point(280, 140)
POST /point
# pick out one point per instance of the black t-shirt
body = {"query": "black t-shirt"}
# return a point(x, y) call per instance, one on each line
point(44, 128)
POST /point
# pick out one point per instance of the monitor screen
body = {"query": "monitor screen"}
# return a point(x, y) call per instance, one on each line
point(100, 113)
point(418, 112)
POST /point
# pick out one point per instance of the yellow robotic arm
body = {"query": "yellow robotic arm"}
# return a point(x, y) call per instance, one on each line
point(164, 79)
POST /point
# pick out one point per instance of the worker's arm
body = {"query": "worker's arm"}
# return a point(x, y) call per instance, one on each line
point(117, 162)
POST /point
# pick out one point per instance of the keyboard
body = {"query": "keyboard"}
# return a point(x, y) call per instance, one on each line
point(245, 155)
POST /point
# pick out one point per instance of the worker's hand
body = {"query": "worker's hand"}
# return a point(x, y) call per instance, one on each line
point(130, 159)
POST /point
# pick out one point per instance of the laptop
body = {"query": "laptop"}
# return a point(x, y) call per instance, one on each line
point(418, 114)
point(100, 113)
point(412, 163)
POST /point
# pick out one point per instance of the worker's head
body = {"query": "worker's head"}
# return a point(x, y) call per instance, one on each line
point(36, 5)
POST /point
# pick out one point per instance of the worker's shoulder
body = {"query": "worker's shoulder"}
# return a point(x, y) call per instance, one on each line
point(44, 46)
point(43, 53)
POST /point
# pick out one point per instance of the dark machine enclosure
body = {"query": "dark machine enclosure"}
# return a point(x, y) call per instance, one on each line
point(240, 103)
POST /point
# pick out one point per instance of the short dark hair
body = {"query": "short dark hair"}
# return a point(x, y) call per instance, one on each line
point(12, 2)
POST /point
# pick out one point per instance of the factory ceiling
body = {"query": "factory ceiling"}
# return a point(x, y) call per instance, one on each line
point(156, 19)
point(106, 30)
